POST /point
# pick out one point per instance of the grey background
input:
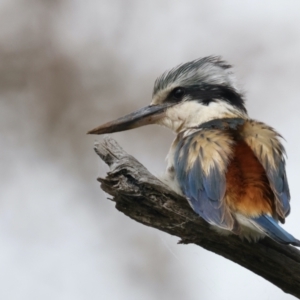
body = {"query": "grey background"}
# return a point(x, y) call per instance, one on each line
point(68, 66)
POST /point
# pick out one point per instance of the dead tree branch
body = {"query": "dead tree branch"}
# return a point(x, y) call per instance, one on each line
point(142, 197)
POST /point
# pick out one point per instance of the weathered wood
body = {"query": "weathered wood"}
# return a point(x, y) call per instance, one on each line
point(142, 197)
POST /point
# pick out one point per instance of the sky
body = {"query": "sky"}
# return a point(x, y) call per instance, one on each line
point(68, 66)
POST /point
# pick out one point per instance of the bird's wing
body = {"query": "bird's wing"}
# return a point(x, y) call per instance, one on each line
point(201, 161)
point(266, 146)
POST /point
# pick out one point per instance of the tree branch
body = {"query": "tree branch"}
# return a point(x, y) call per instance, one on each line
point(142, 197)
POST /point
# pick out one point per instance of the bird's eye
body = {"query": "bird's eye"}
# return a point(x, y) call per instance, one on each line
point(178, 93)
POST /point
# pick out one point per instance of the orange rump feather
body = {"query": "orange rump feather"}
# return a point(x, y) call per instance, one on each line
point(247, 187)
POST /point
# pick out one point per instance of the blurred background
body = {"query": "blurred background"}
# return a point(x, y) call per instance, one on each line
point(68, 66)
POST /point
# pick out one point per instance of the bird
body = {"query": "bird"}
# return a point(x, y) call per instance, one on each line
point(229, 167)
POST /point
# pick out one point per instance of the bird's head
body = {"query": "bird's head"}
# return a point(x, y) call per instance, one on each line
point(187, 96)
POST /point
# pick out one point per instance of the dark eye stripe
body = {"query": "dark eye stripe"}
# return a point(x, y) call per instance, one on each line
point(207, 93)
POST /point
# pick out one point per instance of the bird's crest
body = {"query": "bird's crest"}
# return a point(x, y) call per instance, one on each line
point(207, 70)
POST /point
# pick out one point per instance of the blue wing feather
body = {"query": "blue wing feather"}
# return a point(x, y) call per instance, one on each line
point(215, 185)
point(272, 229)
point(278, 180)
point(204, 192)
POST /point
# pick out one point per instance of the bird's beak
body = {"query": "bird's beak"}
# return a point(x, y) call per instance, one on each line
point(147, 115)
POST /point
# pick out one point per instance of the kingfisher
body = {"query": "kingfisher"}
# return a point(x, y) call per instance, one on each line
point(229, 167)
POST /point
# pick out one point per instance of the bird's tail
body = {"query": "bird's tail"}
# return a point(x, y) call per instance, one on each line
point(272, 229)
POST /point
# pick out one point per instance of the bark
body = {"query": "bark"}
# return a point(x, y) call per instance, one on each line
point(142, 197)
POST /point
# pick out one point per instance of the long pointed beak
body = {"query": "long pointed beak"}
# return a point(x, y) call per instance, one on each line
point(144, 116)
